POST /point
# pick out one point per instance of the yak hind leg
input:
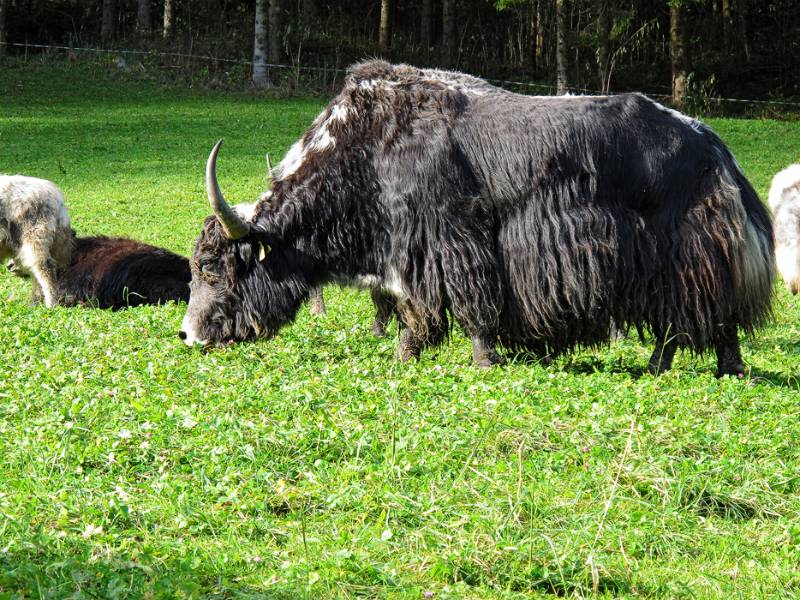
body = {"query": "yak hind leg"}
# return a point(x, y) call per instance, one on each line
point(664, 353)
point(42, 267)
point(317, 301)
point(729, 355)
point(385, 306)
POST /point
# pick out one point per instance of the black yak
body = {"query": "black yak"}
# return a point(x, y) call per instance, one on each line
point(535, 222)
point(119, 272)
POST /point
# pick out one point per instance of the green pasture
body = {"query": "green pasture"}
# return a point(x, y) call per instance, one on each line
point(316, 466)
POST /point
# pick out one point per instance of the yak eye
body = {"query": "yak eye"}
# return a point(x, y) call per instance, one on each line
point(207, 272)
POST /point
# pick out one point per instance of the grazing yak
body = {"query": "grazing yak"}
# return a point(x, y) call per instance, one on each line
point(534, 222)
point(784, 200)
point(35, 230)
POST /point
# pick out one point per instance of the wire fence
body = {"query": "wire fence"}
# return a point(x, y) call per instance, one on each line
point(550, 88)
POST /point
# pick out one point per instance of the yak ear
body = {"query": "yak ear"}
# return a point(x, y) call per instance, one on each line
point(263, 251)
point(246, 253)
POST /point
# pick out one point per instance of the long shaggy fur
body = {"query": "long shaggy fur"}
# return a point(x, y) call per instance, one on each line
point(118, 273)
point(535, 221)
point(784, 199)
point(35, 231)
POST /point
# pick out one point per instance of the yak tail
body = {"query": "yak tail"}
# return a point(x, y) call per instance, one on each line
point(753, 259)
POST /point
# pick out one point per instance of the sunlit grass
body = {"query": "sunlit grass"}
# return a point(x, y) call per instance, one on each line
point(316, 465)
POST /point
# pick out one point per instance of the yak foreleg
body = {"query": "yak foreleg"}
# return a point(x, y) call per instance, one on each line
point(729, 355)
point(385, 306)
point(317, 301)
point(484, 353)
point(664, 353)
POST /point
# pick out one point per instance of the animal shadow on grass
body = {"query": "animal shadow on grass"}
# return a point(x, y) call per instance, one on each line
point(578, 365)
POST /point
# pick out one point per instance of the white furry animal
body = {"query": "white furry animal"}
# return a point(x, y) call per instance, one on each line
point(784, 200)
point(35, 230)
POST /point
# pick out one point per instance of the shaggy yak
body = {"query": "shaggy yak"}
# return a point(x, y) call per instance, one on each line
point(118, 273)
point(784, 200)
point(535, 222)
point(34, 229)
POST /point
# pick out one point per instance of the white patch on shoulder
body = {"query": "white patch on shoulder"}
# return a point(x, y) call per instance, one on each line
point(340, 113)
point(322, 140)
point(292, 161)
point(783, 182)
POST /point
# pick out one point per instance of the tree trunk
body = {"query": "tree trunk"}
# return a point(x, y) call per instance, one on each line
point(561, 48)
point(541, 24)
point(109, 19)
point(260, 69)
point(534, 39)
point(426, 31)
point(726, 21)
point(603, 42)
point(169, 23)
point(449, 32)
point(385, 31)
point(275, 26)
point(679, 55)
point(143, 17)
point(3, 11)
point(744, 35)
point(309, 14)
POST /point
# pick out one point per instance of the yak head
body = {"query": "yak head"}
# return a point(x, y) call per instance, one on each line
point(241, 288)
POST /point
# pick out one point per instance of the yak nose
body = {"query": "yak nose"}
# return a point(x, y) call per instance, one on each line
point(182, 335)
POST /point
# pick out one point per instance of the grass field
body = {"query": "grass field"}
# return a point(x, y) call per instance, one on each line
point(314, 465)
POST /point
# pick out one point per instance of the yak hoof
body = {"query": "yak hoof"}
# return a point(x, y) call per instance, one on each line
point(378, 330)
point(407, 350)
point(318, 309)
point(488, 359)
point(734, 370)
point(406, 353)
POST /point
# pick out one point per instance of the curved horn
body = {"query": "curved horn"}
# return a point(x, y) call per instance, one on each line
point(269, 167)
point(234, 226)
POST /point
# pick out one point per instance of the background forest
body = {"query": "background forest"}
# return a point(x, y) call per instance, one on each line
point(697, 51)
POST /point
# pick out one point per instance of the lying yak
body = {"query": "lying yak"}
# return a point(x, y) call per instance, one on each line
point(534, 222)
point(117, 273)
point(784, 200)
point(35, 230)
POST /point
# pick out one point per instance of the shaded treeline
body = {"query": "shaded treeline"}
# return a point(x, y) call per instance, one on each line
point(701, 47)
